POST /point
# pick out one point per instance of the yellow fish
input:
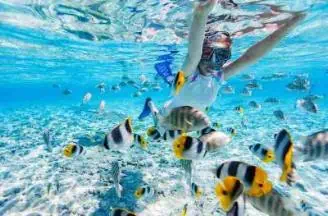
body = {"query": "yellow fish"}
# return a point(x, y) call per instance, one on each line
point(228, 192)
point(184, 210)
point(190, 148)
point(73, 150)
point(140, 140)
point(264, 153)
point(179, 82)
point(284, 156)
point(254, 178)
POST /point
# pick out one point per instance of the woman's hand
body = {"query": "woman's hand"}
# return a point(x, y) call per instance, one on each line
point(204, 8)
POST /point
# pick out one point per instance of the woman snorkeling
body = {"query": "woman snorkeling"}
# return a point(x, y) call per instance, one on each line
point(204, 68)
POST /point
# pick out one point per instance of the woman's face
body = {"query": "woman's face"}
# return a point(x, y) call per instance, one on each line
point(217, 59)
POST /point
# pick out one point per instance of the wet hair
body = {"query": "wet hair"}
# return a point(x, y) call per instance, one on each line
point(215, 55)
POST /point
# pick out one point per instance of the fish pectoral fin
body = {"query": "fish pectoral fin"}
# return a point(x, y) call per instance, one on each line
point(188, 123)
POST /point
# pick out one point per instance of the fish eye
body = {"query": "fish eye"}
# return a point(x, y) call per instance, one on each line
point(178, 146)
point(260, 185)
point(225, 193)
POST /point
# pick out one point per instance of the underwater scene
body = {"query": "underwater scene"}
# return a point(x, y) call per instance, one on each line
point(163, 107)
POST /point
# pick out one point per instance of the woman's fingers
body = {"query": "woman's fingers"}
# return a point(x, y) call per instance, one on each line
point(207, 6)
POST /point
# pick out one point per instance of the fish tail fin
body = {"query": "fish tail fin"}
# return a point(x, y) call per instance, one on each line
point(146, 109)
point(119, 190)
point(289, 174)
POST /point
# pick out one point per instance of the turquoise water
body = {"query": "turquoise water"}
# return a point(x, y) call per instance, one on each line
point(50, 46)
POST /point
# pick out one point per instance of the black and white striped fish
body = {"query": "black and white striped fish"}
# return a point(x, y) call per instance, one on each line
point(73, 150)
point(140, 140)
point(255, 179)
point(313, 147)
point(228, 191)
point(262, 152)
point(206, 130)
point(196, 191)
point(283, 150)
point(116, 175)
point(185, 118)
point(273, 204)
point(122, 212)
point(120, 137)
point(190, 148)
point(238, 207)
point(187, 167)
point(144, 192)
point(170, 135)
point(154, 134)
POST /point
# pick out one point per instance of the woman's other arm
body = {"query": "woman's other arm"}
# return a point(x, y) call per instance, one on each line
point(258, 50)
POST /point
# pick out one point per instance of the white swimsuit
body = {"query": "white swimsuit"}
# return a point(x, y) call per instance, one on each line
point(199, 92)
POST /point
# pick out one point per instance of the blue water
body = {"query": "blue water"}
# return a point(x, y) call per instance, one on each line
point(77, 45)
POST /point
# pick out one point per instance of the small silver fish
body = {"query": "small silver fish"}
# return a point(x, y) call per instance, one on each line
point(215, 140)
point(116, 175)
point(254, 105)
point(67, 92)
point(279, 114)
point(56, 86)
point(116, 87)
point(122, 84)
point(314, 146)
point(131, 82)
point(101, 87)
point(299, 83)
point(86, 98)
point(146, 84)
point(228, 90)
point(313, 97)
point(271, 100)
point(144, 89)
point(253, 85)
point(102, 105)
point(47, 139)
point(137, 94)
point(157, 88)
point(307, 105)
point(246, 92)
point(125, 77)
point(247, 77)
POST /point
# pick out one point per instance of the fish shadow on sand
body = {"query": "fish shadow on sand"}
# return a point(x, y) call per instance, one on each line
point(109, 199)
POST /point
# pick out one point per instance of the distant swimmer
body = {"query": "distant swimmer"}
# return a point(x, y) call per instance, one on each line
point(206, 66)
